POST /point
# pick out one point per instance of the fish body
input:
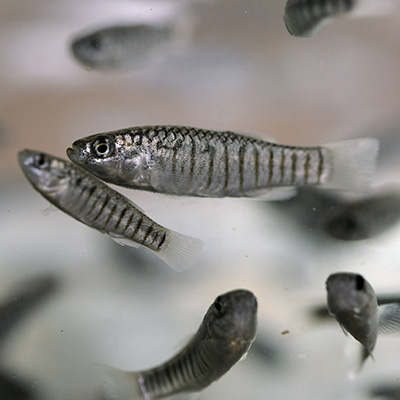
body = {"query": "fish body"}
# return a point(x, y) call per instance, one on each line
point(124, 46)
point(197, 162)
point(305, 18)
point(352, 301)
point(224, 337)
point(365, 218)
point(90, 201)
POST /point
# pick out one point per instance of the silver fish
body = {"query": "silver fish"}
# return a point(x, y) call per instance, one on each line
point(305, 18)
point(124, 46)
point(224, 337)
point(197, 162)
point(90, 201)
point(352, 301)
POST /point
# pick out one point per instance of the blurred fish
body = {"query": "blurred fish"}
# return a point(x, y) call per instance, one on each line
point(319, 211)
point(352, 301)
point(387, 391)
point(90, 201)
point(305, 18)
point(365, 218)
point(23, 301)
point(13, 388)
point(126, 46)
point(196, 162)
point(224, 337)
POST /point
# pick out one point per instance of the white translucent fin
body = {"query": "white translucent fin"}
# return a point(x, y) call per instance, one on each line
point(118, 384)
point(258, 136)
point(122, 240)
point(372, 8)
point(353, 164)
point(273, 194)
point(180, 252)
point(389, 318)
point(49, 209)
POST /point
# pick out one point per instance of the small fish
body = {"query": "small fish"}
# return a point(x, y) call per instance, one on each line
point(23, 300)
point(352, 301)
point(189, 161)
point(90, 201)
point(224, 338)
point(364, 218)
point(125, 46)
point(305, 18)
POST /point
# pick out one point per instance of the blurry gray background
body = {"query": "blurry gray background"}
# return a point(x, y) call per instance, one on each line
point(123, 307)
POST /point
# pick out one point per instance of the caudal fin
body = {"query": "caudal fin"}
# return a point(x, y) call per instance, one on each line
point(353, 164)
point(119, 384)
point(180, 252)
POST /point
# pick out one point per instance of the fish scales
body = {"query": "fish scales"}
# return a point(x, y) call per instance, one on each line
point(90, 201)
point(202, 162)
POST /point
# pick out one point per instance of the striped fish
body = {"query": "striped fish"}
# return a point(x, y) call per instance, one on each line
point(90, 201)
point(224, 338)
point(305, 18)
point(197, 162)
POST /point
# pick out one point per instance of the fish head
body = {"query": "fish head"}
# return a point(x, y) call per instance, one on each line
point(232, 318)
point(96, 50)
point(45, 172)
point(111, 158)
point(350, 294)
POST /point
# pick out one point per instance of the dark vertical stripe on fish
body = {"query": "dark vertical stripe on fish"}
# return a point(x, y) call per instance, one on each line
point(294, 166)
point(282, 167)
point(128, 222)
point(121, 215)
point(320, 164)
point(89, 196)
point(112, 211)
point(307, 167)
point(210, 167)
point(107, 199)
point(270, 165)
point(139, 223)
point(162, 241)
point(241, 166)
point(256, 166)
point(192, 162)
point(146, 235)
point(226, 154)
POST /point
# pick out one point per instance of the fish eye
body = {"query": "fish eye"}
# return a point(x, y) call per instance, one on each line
point(359, 282)
point(218, 308)
point(95, 43)
point(103, 147)
point(40, 160)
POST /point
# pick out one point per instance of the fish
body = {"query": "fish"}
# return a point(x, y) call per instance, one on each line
point(352, 301)
point(90, 201)
point(305, 18)
point(121, 47)
point(223, 338)
point(23, 301)
point(364, 218)
point(189, 161)
point(324, 213)
point(12, 388)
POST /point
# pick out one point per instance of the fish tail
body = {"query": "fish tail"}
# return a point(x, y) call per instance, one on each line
point(353, 164)
point(119, 384)
point(372, 8)
point(180, 252)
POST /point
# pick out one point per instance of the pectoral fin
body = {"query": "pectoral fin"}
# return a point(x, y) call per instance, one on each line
point(389, 318)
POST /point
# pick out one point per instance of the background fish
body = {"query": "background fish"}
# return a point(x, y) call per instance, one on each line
point(127, 46)
point(197, 162)
point(87, 199)
point(224, 337)
point(352, 301)
point(305, 18)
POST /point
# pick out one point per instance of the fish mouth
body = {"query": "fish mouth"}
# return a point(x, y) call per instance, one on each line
point(72, 153)
point(24, 156)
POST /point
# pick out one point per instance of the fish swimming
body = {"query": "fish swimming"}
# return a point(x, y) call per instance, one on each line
point(126, 46)
point(305, 18)
point(223, 338)
point(189, 161)
point(352, 301)
point(90, 201)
